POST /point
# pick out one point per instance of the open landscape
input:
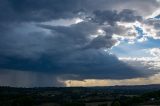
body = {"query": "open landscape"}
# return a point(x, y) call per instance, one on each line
point(145, 95)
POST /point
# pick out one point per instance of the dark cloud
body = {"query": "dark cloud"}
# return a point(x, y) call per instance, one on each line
point(42, 10)
point(111, 17)
point(18, 78)
point(129, 16)
point(69, 52)
point(90, 64)
point(119, 5)
point(62, 53)
point(101, 42)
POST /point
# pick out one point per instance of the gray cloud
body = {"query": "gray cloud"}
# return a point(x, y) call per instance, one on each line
point(29, 10)
point(119, 5)
point(68, 52)
point(19, 78)
point(44, 10)
point(111, 17)
point(152, 27)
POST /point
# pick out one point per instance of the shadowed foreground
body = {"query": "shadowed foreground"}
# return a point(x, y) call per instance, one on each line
point(148, 95)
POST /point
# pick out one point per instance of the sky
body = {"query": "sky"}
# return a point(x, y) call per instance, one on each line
point(46, 43)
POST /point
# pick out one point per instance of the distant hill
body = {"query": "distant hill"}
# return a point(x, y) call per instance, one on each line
point(131, 88)
point(143, 88)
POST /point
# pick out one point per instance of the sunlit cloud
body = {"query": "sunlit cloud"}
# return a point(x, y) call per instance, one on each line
point(155, 13)
point(93, 82)
point(63, 22)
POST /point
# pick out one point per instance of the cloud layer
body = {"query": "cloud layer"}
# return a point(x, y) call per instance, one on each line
point(70, 39)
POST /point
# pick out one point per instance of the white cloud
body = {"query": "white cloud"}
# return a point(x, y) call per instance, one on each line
point(151, 28)
point(63, 22)
point(155, 13)
point(143, 39)
point(155, 52)
point(146, 64)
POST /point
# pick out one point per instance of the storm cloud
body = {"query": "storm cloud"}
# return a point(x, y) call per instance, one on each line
point(77, 51)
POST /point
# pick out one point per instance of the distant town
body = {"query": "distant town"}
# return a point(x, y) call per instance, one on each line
point(140, 95)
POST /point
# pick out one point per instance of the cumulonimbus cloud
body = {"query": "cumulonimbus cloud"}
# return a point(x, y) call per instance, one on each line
point(77, 51)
